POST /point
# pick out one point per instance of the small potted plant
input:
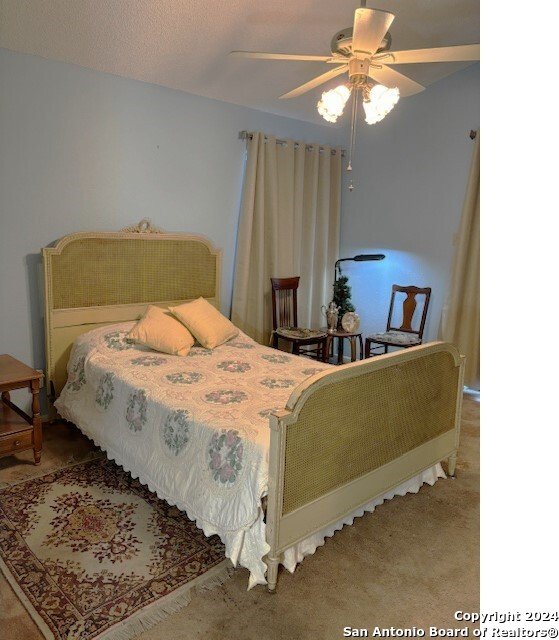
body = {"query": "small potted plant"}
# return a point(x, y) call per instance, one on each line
point(342, 297)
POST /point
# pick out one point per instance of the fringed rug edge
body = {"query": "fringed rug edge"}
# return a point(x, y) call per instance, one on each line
point(146, 617)
point(149, 616)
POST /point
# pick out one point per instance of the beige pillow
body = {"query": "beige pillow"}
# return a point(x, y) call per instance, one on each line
point(205, 323)
point(159, 330)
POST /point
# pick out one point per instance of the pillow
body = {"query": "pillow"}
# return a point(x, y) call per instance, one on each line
point(159, 330)
point(205, 323)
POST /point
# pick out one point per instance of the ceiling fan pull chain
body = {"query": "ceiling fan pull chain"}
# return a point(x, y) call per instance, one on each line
point(353, 130)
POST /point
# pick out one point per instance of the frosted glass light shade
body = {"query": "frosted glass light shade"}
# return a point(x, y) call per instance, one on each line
point(381, 100)
point(331, 105)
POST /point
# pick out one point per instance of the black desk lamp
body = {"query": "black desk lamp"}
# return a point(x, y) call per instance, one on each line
point(363, 257)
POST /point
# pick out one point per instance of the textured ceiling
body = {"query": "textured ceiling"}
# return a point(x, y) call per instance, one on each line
point(184, 44)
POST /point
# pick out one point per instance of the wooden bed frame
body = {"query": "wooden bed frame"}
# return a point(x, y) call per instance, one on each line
point(347, 435)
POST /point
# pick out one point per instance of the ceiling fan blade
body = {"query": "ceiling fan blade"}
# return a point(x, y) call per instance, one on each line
point(390, 78)
point(460, 53)
point(315, 82)
point(369, 28)
point(277, 56)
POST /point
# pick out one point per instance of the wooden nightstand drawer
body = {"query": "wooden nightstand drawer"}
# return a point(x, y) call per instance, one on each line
point(19, 430)
point(16, 442)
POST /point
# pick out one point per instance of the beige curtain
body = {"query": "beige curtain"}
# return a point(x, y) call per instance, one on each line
point(289, 226)
point(460, 318)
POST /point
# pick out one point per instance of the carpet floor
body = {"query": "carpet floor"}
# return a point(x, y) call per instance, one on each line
point(413, 562)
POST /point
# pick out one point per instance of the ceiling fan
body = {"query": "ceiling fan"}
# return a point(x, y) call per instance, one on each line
point(363, 52)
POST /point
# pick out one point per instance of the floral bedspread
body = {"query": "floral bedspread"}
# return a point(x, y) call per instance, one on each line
point(194, 429)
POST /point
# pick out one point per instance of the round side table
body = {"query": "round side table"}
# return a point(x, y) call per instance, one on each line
point(341, 335)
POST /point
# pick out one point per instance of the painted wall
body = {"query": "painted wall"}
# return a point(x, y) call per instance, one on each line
point(410, 175)
point(83, 150)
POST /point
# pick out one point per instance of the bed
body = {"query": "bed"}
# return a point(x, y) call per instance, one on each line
point(218, 432)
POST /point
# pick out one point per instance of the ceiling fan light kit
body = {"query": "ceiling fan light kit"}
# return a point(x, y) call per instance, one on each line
point(331, 105)
point(363, 52)
point(378, 101)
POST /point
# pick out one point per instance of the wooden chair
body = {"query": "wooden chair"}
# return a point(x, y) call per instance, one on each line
point(404, 336)
point(284, 321)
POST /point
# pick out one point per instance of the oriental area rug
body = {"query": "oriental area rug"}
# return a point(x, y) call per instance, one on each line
point(92, 553)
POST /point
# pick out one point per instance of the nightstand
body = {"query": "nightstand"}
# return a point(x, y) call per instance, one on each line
point(19, 431)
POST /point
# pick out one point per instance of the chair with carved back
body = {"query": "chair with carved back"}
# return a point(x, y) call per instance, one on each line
point(284, 321)
point(405, 335)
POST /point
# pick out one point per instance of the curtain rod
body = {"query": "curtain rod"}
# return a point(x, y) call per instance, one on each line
point(247, 135)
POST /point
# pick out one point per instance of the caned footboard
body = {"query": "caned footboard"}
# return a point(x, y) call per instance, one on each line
point(350, 434)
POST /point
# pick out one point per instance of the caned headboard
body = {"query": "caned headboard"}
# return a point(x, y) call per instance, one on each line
point(98, 278)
